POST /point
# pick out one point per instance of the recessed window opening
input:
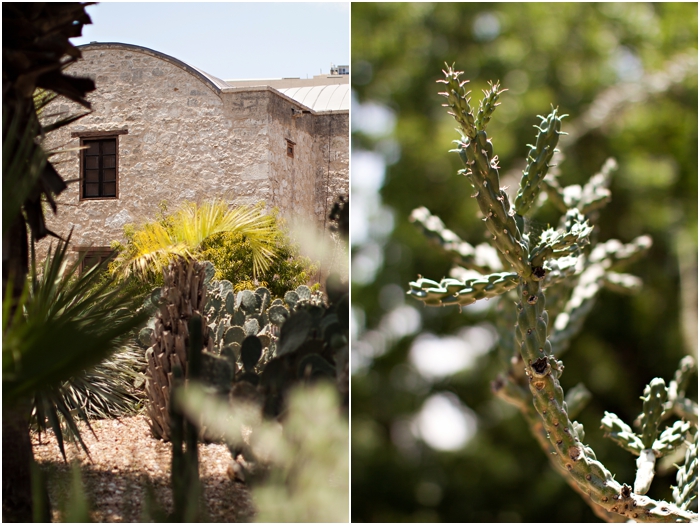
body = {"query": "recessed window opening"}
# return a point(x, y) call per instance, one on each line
point(290, 148)
point(100, 168)
point(99, 163)
point(94, 256)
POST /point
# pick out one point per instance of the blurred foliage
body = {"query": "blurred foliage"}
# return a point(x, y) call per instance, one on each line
point(306, 454)
point(626, 73)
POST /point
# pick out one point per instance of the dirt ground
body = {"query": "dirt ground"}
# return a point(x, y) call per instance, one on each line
point(124, 460)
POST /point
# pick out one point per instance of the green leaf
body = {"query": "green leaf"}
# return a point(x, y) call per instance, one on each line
point(72, 321)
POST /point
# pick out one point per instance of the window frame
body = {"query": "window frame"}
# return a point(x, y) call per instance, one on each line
point(290, 147)
point(88, 136)
point(102, 252)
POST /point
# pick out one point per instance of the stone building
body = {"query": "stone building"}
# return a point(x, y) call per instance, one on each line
point(163, 131)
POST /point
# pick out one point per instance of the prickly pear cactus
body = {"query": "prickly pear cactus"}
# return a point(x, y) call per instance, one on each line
point(296, 339)
point(522, 264)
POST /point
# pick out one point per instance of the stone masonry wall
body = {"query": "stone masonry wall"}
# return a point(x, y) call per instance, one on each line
point(292, 179)
point(183, 143)
point(332, 173)
point(187, 140)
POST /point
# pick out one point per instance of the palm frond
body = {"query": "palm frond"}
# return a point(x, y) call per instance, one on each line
point(71, 322)
point(154, 245)
point(104, 392)
point(194, 223)
point(22, 165)
point(260, 231)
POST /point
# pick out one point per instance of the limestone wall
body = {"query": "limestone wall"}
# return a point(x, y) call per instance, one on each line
point(332, 177)
point(292, 178)
point(190, 138)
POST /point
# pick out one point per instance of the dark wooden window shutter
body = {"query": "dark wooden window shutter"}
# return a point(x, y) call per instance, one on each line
point(99, 178)
point(93, 256)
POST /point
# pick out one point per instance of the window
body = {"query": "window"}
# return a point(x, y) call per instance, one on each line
point(94, 256)
point(100, 168)
point(99, 164)
point(290, 148)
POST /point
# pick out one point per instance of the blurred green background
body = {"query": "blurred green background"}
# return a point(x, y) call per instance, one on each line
point(429, 440)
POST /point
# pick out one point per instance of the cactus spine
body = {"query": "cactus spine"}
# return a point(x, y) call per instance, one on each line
point(555, 257)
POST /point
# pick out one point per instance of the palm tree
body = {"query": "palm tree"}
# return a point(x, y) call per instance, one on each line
point(154, 245)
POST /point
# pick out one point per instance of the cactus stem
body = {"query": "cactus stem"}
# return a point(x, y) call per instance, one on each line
point(529, 256)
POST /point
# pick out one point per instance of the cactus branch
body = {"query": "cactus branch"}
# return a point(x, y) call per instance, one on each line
point(682, 377)
point(487, 105)
point(686, 488)
point(671, 438)
point(554, 244)
point(621, 433)
point(577, 458)
point(645, 471)
point(458, 100)
point(482, 171)
point(655, 395)
point(520, 398)
point(613, 254)
point(595, 194)
point(476, 151)
point(482, 258)
point(677, 402)
point(463, 293)
point(649, 445)
point(538, 159)
point(598, 272)
point(550, 415)
point(576, 399)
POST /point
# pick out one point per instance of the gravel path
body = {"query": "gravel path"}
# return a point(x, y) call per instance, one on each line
point(126, 458)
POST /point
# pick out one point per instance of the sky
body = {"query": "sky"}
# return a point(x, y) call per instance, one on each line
point(231, 40)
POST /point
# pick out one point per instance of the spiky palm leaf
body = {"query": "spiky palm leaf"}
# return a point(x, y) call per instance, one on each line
point(66, 322)
point(35, 52)
point(151, 250)
point(154, 245)
point(106, 391)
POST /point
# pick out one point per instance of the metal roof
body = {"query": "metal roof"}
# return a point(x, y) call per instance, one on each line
point(321, 98)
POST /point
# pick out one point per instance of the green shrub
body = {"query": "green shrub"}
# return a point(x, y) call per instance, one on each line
point(231, 255)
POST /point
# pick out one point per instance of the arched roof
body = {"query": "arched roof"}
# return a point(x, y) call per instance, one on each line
point(332, 97)
point(215, 83)
point(335, 97)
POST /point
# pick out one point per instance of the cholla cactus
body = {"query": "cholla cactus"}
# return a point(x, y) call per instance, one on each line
point(519, 260)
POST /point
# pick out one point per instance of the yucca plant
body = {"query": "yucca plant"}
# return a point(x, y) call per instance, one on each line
point(104, 391)
point(65, 323)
